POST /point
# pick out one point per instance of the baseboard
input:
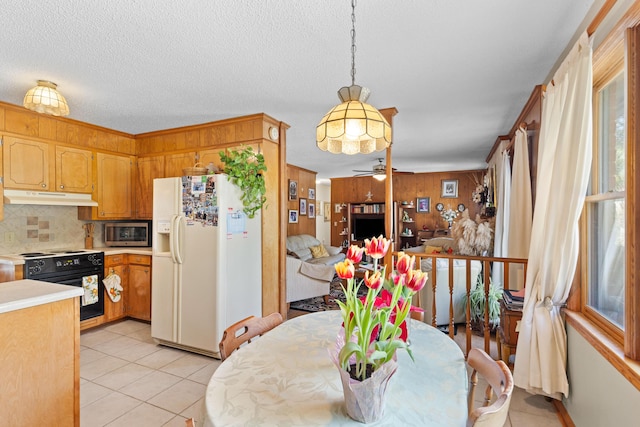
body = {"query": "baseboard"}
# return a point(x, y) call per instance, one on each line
point(563, 415)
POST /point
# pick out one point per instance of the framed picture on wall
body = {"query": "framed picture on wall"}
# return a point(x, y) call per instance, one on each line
point(293, 216)
point(327, 211)
point(293, 190)
point(449, 188)
point(312, 210)
point(312, 194)
point(424, 204)
point(303, 206)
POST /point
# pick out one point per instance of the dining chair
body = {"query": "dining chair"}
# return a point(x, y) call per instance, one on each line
point(245, 330)
point(500, 382)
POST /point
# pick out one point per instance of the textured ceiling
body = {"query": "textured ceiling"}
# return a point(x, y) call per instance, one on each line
point(458, 71)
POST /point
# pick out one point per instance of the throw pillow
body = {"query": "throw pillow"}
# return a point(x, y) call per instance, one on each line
point(433, 249)
point(318, 251)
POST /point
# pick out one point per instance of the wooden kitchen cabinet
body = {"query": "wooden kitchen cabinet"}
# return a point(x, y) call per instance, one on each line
point(148, 169)
point(174, 163)
point(114, 189)
point(139, 289)
point(40, 372)
point(116, 264)
point(26, 164)
point(74, 170)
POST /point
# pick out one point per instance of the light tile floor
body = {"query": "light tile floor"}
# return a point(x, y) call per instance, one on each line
point(128, 380)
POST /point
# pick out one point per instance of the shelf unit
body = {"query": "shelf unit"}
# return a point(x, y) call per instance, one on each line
point(363, 210)
point(406, 232)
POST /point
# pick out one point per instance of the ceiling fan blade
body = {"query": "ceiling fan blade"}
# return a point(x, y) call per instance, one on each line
point(358, 170)
point(363, 174)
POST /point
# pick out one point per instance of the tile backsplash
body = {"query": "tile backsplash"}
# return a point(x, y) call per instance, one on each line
point(32, 228)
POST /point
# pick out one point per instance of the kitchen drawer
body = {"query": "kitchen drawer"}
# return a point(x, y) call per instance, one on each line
point(111, 260)
point(139, 259)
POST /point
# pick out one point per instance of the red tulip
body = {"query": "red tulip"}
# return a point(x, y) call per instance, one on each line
point(405, 263)
point(374, 281)
point(345, 269)
point(377, 247)
point(354, 254)
point(416, 279)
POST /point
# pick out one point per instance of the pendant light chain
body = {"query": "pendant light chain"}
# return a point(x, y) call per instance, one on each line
point(353, 42)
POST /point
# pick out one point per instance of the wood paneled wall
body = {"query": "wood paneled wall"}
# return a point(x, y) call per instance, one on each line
point(306, 180)
point(406, 187)
point(205, 138)
point(19, 121)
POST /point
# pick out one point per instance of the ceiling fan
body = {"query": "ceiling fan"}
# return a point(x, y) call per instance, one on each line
point(378, 171)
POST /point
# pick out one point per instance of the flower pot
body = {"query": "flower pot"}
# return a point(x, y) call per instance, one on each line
point(364, 400)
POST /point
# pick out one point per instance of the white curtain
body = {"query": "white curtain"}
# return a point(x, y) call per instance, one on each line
point(520, 211)
point(503, 197)
point(564, 161)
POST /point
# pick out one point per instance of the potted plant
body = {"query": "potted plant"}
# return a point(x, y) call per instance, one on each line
point(374, 326)
point(244, 168)
point(476, 302)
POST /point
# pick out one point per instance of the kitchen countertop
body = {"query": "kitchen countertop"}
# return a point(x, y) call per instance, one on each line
point(133, 251)
point(26, 293)
point(9, 259)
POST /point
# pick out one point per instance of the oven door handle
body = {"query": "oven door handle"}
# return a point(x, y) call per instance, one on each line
point(175, 238)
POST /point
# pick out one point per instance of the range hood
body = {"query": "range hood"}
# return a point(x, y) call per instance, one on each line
point(26, 197)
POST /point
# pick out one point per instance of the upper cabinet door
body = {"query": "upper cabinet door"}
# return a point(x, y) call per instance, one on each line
point(26, 164)
point(174, 163)
point(149, 168)
point(74, 170)
point(114, 186)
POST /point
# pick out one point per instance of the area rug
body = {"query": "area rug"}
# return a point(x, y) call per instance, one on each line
point(317, 303)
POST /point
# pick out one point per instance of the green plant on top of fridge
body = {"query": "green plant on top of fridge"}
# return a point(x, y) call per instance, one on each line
point(244, 168)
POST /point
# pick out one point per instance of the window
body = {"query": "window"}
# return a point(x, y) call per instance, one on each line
point(605, 206)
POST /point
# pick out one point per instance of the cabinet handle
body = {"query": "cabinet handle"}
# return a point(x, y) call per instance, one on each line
point(61, 187)
point(44, 185)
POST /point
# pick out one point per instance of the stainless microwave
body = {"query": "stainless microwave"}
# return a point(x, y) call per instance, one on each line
point(136, 233)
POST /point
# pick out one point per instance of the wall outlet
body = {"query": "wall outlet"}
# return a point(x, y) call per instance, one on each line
point(9, 237)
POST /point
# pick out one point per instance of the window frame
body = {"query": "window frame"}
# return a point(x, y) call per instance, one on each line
point(620, 348)
point(602, 76)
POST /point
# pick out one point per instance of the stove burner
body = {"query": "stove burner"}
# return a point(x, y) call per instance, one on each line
point(34, 254)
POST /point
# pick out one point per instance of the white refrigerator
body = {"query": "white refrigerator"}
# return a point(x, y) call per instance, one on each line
point(207, 262)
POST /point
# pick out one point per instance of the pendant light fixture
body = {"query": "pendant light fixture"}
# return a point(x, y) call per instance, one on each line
point(45, 98)
point(353, 127)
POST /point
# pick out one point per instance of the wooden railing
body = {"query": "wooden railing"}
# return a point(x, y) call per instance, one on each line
point(487, 262)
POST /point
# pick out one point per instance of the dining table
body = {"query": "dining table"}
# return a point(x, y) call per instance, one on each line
point(287, 378)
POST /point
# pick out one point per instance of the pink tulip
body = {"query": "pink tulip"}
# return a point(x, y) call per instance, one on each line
point(354, 254)
point(374, 281)
point(416, 279)
point(377, 247)
point(405, 263)
point(345, 269)
point(397, 279)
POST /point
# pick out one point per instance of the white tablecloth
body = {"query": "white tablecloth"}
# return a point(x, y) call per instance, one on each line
point(286, 378)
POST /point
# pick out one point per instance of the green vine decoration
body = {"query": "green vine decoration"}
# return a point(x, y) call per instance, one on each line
point(244, 168)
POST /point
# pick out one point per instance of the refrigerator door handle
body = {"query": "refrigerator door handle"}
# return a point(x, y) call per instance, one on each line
point(177, 238)
point(173, 238)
